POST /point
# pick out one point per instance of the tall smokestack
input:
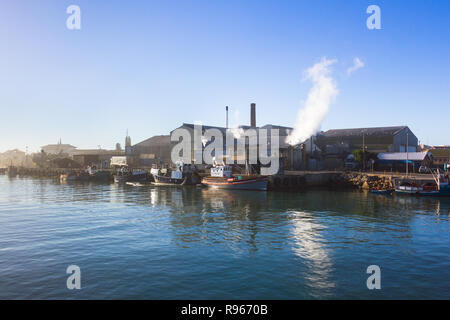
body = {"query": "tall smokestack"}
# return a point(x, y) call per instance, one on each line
point(226, 108)
point(253, 115)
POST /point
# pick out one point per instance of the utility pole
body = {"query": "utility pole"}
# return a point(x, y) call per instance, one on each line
point(407, 153)
point(364, 153)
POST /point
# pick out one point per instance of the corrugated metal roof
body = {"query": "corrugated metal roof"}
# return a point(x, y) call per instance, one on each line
point(282, 130)
point(162, 140)
point(378, 131)
point(414, 156)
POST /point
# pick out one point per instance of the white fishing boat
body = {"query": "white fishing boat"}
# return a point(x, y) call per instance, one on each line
point(408, 188)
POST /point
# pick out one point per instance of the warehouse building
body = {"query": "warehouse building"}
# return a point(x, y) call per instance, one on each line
point(376, 140)
point(152, 151)
point(286, 152)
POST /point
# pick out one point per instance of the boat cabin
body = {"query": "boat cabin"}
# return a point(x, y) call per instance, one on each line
point(221, 171)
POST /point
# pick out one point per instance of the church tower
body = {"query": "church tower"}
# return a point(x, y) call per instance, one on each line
point(127, 144)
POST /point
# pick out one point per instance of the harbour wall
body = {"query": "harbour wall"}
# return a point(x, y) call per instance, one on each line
point(289, 181)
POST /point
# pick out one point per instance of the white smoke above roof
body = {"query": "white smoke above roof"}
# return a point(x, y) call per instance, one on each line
point(316, 107)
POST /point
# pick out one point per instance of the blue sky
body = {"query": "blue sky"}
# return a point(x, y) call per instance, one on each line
point(149, 66)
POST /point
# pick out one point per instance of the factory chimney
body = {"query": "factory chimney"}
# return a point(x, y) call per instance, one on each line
point(226, 108)
point(253, 115)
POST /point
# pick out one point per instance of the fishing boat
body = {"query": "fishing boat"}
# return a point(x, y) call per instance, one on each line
point(98, 175)
point(440, 187)
point(221, 177)
point(407, 187)
point(184, 174)
point(125, 174)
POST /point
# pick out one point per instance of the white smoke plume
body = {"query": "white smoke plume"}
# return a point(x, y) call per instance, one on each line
point(315, 109)
point(357, 64)
point(235, 129)
point(237, 132)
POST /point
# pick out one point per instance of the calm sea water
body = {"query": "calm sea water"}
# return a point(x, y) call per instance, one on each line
point(195, 243)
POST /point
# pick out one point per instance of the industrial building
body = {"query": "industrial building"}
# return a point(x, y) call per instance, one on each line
point(152, 151)
point(286, 152)
point(376, 140)
point(326, 150)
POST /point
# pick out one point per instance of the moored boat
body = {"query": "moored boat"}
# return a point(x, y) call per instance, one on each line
point(238, 183)
point(163, 180)
point(183, 175)
point(440, 186)
point(222, 178)
point(408, 188)
point(125, 175)
point(98, 175)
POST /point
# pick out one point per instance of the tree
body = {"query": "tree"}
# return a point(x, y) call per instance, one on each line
point(359, 156)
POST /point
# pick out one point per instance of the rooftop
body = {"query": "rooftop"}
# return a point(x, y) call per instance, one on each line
point(377, 131)
point(283, 130)
point(414, 156)
point(154, 141)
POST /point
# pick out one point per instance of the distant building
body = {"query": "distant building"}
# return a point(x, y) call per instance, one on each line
point(16, 158)
point(152, 151)
point(441, 156)
point(376, 140)
point(95, 157)
point(58, 148)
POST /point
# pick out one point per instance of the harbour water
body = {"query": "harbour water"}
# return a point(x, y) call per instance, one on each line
point(194, 243)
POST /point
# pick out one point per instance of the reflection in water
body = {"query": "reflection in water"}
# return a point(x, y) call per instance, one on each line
point(310, 246)
point(191, 242)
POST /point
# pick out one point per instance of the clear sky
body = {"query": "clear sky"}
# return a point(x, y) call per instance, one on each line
point(149, 66)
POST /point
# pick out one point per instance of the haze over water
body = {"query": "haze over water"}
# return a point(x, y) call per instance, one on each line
point(195, 243)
